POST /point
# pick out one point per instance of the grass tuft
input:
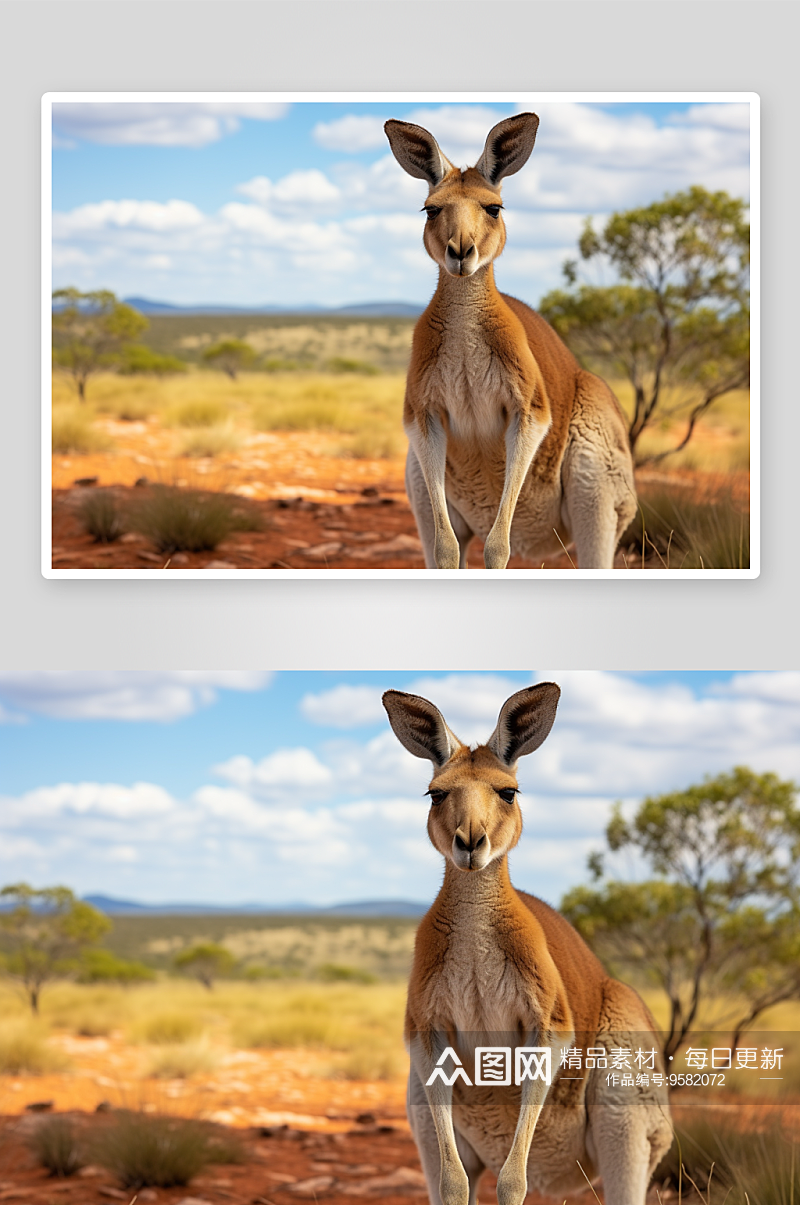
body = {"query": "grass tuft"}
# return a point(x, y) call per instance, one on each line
point(210, 441)
point(55, 1146)
point(723, 1161)
point(181, 1061)
point(168, 1029)
point(101, 516)
point(74, 435)
point(197, 412)
point(147, 1151)
point(24, 1050)
point(683, 532)
point(178, 520)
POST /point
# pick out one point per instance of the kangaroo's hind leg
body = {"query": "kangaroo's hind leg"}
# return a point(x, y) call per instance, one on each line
point(424, 1131)
point(597, 476)
point(420, 502)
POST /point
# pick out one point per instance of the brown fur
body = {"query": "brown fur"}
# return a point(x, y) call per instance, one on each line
point(486, 369)
point(496, 966)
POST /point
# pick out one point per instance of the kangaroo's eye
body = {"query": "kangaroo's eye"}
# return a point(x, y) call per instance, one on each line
point(507, 794)
point(493, 210)
point(433, 211)
point(437, 796)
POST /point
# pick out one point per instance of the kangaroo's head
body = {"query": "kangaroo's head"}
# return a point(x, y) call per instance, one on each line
point(464, 230)
point(474, 818)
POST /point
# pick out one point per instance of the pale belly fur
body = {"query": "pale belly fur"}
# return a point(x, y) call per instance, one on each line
point(477, 397)
point(489, 1013)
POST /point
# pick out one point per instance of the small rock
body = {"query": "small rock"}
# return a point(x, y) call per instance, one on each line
point(86, 481)
point(310, 1188)
point(147, 1194)
point(369, 492)
point(39, 1106)
point(116, 1194)
point(220, 565)
point(150, 557)
point(193, 1201)
point(131, 537)
point(103, 1106)
point(400, 544)
point(179, 558)
point(320, 552)
point(366, 1119)
point(90, 1170)
point(141, 481)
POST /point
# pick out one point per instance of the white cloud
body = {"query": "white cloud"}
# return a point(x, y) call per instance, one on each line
point(123, 694)
point(344, 706)
point(67, 799)
point(312, 189)
point(157, 124)
point(287, 771)
point(277, 248)
point(352, 133)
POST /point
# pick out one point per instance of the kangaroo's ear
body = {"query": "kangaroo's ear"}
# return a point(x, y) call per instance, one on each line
point(508, 147)
point(417, 151)
point(525, 721)
point(420, 727)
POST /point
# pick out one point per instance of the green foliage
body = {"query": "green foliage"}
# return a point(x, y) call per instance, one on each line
point(91, 331)
point(346, 364)
point(101, 966)
point(45, 932)
point(138, 358)
point(146, 1151)
point(334, 972)
point(230, 355)
point(101, 516)
point(178, 520)
point(206, 961)
point(680, 314)
point(55, 1146)
point(727, 856)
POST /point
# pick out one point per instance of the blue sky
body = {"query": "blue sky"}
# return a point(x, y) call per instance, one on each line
point(248, 786)
point(290, 204)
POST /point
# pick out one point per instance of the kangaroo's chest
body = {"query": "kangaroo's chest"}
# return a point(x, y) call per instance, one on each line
point(474, 384)
point(478, 989)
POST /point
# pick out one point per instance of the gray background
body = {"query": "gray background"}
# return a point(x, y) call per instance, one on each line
point(569, 45)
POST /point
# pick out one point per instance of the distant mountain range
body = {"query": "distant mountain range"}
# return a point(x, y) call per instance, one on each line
point(368, 309)
point(360, 908)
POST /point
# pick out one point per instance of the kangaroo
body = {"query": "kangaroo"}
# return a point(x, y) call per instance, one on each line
point(509, 438)
point(492, 962)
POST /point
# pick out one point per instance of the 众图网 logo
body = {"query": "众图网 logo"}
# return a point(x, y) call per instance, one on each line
point(493, 1066)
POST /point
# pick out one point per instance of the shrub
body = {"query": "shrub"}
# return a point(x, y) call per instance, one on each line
point(197, 412)
point(690, 533)
point(310, 414)
point(342, 364)
point(373, 445)
point(759, 1167)
point(181, 1061)
point(210, 441)
point(168, 1029)
point(73, 434)
point(102, 518)
point(333, 972)
point(179, 520)
point(142, 1150)
point(139, 358)
point(55, 1146)
point(101, 966)
point(25, 1051)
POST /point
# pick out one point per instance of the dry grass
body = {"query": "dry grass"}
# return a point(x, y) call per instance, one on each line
point(181, 1061)
point(721, 440)
point(178, 520)
point(167, 1028)
point(73, 432)
point(24, 1049)
point(56, 1147)
point(101, 516)
point(210, 441)
point(146, 1151)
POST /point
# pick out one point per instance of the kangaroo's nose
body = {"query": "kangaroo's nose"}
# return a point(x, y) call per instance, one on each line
point(460, 253)
point(469, 847)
